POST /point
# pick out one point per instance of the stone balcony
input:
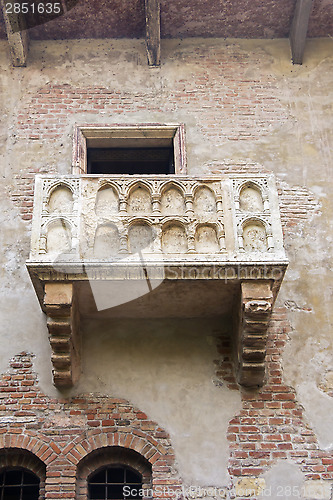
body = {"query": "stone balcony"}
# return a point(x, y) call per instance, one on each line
point(120, 246)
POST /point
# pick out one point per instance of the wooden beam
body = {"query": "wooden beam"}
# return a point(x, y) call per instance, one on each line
point(153, 32)
point(255, 312)
point(18, 37)
point(299, 28)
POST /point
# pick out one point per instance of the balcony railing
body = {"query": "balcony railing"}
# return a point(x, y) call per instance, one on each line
point(178, 219)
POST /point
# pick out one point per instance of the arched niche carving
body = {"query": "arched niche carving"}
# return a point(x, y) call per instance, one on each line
point(204, 202)
point(250, 199)
point(255, 237)
point(61, 200)
point(172, 201)
point(59, 237)
point(107, 241)
point(206, 240)
point(174, 238)
point(107, 202)
point(140, 237)
point(139, 200)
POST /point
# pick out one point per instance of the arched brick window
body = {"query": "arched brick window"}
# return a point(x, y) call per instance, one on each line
point(114, 482)
point(114, 473)
point(17, 483)
point(22, 475)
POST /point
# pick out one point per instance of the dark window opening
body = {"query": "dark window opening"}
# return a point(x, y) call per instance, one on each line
point(18, 484)
point(136, 161)
point(116, 483)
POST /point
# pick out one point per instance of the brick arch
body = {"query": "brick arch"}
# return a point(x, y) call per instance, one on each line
point(111, 455)
point(39, 447)
point(22, 458)
point(136, 441)
point(94, 421)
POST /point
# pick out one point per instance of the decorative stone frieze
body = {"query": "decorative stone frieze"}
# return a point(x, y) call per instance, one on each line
point(111, 231)
point(75, 216)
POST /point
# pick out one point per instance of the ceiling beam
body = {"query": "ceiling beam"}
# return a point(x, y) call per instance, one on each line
point(299, 28)
point(153, 32)
point(18, 37)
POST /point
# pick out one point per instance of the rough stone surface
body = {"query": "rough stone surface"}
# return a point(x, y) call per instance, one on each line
point(249, 487)
point(321, 490)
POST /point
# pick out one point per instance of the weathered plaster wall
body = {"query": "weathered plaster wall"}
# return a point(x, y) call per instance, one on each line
point(172, 361)
point(245, 108)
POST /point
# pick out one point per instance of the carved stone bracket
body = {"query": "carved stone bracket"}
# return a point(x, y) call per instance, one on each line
point(62, 324)
point(256, 309)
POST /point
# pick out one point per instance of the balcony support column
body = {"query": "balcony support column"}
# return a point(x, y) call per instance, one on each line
point(255, 313)
point(63, 325)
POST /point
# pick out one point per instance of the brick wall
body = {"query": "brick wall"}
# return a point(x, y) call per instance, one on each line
point(230, 101)
point(271, 424)
point(62, 432)
point(232, 106)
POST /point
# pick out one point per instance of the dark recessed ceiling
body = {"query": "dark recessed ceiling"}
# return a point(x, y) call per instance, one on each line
point(181, 19)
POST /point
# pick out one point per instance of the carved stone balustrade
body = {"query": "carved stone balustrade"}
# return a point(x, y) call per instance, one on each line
point(123, 245)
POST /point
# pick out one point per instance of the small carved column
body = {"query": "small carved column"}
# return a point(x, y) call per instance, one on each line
point(157, 243)
point(189, 204)
point(256, 310)
point(122, 204)
point(156, 202)
point(63, 325)
point(191, 238)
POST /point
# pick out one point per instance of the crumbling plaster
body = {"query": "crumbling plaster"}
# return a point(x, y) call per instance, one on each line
point(296, 147)
point(172, 361)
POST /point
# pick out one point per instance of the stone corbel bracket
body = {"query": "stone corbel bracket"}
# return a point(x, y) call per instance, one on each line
point(251, 346)
point(63, 324)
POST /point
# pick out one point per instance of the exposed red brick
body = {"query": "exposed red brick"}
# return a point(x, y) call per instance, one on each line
point(63, 449)
point(270, 417)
